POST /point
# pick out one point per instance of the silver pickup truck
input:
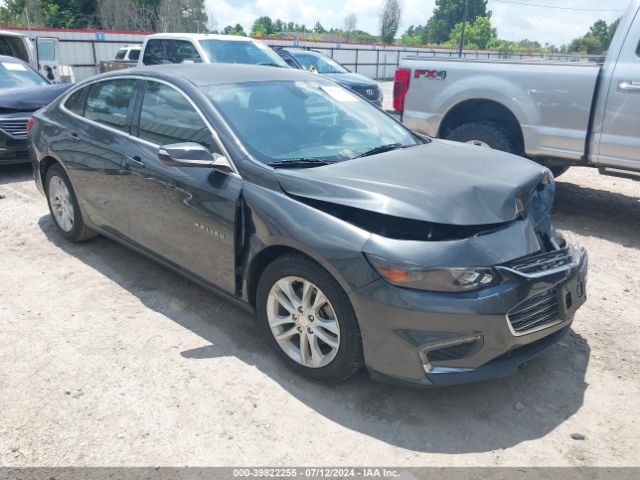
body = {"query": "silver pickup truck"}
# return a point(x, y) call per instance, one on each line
point(560, 114)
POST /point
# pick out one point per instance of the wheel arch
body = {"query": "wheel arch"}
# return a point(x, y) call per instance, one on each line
point(45, 163)
point(263, 258)
point(476, 110)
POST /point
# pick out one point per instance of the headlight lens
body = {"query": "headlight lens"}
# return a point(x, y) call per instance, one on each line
point(433, 279)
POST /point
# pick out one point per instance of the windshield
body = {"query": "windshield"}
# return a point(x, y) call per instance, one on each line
point(306, 119)
point(234, 51)
point(320, 64)
point(18, 75)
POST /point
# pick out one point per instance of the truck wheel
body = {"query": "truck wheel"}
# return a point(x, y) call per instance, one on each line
point(308, 319)
point(486, 134)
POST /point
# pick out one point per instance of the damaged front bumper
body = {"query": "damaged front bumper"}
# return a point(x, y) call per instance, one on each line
point(432, 338)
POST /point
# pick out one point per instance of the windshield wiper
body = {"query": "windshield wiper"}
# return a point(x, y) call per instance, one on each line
point(382, 149)
point(299, 163)
point(270, 64)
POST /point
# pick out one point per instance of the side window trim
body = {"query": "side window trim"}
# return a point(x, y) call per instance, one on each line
point(214, 133)
point(137, 104)
point(127, 121)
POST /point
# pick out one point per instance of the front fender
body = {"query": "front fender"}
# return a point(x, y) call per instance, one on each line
point(336, 245)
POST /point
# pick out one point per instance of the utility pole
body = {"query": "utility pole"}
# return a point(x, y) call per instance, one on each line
point(464, 24)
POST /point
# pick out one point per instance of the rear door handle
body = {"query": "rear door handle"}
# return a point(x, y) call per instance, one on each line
point(135, 161)
point(72, 135)
point(629, 86)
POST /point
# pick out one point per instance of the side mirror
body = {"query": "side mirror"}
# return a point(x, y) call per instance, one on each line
point(191, 154)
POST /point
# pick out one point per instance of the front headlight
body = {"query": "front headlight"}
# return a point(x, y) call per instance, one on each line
point(434, 279)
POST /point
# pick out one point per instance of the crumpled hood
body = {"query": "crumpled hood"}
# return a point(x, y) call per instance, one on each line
point(440, 182)
point(30, 99)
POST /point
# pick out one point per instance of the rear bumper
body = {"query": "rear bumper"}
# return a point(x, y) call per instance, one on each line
point(403, 329)
point(13, 151)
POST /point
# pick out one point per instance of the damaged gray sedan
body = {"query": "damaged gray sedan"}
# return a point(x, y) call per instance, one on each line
point(356, 242)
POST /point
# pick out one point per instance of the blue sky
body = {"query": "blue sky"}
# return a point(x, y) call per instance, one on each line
point(513, 22)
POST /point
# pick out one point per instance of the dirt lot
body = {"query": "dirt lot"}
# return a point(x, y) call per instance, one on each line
point(107, 359)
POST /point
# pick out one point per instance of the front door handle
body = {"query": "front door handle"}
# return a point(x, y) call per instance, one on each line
point(135, 161)
point(629, 86)
point(72, 135)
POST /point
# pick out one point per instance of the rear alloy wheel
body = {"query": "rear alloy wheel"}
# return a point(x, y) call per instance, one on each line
point(309, 319)
point(63, 206)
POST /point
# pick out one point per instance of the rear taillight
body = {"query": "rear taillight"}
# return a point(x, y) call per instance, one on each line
point(29, 124)
point(400, 87)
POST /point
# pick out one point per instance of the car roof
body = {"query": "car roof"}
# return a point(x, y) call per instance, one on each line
point(203, 74)
point(200, 36)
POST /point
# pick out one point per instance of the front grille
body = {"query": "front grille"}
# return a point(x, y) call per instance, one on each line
point(15, 127)
point(372, 93)
point(538, 263)
point(536, 311)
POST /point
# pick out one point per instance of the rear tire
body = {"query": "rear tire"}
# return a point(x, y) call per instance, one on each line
point(491, 134)
point(334, 320)
point(63, 206)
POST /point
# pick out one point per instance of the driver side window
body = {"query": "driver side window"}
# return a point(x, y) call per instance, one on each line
point(168, 117)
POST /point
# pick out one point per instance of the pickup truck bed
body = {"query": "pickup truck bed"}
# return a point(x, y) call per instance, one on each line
point(553, 99)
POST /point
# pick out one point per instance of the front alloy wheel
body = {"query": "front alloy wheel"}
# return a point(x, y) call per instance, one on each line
point(303, 322)
point(308, 319)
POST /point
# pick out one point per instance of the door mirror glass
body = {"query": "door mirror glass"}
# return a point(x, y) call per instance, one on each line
point(191, 154)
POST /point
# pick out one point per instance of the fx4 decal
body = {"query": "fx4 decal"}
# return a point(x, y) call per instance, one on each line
point(431, 74)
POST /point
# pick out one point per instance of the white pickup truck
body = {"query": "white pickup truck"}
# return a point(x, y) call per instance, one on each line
point(560, 114)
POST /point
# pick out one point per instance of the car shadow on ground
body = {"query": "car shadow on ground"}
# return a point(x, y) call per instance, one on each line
point(472, 418)
point(600, 213)
point(15, 173)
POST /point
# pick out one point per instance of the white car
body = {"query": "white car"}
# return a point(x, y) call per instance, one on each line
point(130, 53)
point(166, 48)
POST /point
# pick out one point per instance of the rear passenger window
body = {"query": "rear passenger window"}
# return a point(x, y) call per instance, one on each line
point(75, 103)
point(134, 54)
point(162, 51)
point(168, 117)
point(108, 103)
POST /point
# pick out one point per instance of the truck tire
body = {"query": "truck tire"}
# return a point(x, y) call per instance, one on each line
point(486, 134)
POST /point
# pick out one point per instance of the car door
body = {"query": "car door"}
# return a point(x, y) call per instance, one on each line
point(94, 150)
point(619, 141)
point(186, 215)
point(47, 56)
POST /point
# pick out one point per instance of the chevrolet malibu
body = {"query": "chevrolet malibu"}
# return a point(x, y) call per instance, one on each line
point(356, 241)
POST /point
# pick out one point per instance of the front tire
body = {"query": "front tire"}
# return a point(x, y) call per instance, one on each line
point(63, 205)
point(308, 319)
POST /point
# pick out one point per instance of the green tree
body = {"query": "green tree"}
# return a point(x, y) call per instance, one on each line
point(389, 20)
point(476, 35)
point(447, 14)
point(48, 13)
point(262, 27)
point(237, 30)
point(596, 40)
point(318, 28)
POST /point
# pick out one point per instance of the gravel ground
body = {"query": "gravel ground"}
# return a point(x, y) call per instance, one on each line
point(108, 359)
